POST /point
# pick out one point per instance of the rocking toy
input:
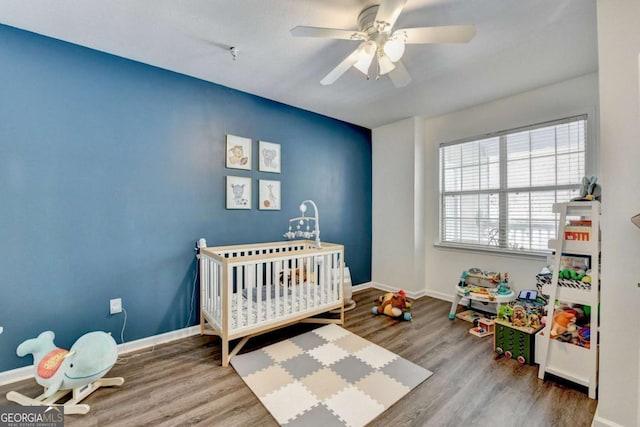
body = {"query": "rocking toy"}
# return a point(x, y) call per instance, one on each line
point(78, 371)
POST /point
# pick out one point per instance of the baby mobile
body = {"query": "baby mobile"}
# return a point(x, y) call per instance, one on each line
point(303, 224)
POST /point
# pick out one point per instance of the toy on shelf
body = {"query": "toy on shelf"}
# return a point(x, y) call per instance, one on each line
point(394, 305)
point(484, 328)
point(484, 287)
point(570, 324)
point(60, 372)
point(574, 273)
point(482, 325)
point(504, 288)
point(589, 190)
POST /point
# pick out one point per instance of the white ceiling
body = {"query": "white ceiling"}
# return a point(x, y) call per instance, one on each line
point(520, 45)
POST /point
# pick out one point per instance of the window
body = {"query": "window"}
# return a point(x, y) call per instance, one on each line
point(497, 191)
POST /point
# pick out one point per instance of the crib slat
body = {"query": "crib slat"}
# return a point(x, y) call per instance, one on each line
point(285, 283)
point(238, 289)
point(215, 300)
point(337, 285)
point(297, 277)
point(248, 274)
point(269, 284)
point(276, 283)
point(259, 289)
point(311, 274)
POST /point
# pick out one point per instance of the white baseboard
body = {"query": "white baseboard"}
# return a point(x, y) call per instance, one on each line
point(148, 342)
point(361, 287)
point(15, 375)
point(602, 422)
point(410, 294)
point(439, 295)
point(26, 372)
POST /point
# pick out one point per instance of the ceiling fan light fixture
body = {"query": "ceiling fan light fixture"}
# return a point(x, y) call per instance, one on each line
point(366, 53)
point(394, 49)
point(385, 65)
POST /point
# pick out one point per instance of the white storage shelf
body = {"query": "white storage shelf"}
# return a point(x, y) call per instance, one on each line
point(573, 362)
point(575, 247)
point(579, 296)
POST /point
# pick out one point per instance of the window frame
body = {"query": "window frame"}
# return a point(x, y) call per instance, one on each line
point(590, 155)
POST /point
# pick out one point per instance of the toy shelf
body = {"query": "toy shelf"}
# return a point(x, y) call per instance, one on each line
point(566, 360)
point(579, 296)
point(571, 362)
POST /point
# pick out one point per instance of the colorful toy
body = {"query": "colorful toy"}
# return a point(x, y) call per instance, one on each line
point(514, 342)
point(561, 321)
point(519, 316)
point(484, 327)
point(504, 288)
point(61, 372)
point(393, 305)
point(505, 312)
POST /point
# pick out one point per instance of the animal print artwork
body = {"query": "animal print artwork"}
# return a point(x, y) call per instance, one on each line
point(236, 155)
point(269, 157)
point(238, 195)
point(238, 192)
point(238, 152)
point(269, 195)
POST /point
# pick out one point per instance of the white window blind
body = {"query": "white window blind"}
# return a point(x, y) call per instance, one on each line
point(498, 190)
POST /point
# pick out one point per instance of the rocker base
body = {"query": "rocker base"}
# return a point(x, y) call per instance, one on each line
point(71, 406)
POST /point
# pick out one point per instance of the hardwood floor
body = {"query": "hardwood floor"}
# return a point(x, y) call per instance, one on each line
point(182, 383)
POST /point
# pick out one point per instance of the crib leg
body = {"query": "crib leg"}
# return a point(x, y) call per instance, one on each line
point(225, 352)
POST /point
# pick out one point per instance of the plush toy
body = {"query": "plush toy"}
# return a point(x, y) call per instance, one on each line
point(393, 305)
point(561, 321)
point(61, 371)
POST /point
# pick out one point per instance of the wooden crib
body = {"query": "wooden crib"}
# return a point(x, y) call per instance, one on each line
point(247, 290)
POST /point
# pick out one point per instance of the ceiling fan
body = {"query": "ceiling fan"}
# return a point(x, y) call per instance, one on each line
point(378, 39)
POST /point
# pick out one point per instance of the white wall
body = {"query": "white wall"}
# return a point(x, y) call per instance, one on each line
point(443, 266)
point(406, 182)
point(397, 206)
point(618, 50)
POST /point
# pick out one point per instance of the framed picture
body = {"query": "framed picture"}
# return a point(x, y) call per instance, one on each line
point(269, 157)
point(238, 152)
point(238, 192)
point(269, 195)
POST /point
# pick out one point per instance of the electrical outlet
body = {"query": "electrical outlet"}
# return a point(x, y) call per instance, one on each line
point(115, 306)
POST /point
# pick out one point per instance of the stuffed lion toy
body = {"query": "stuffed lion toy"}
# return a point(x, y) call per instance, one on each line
point(394, 305)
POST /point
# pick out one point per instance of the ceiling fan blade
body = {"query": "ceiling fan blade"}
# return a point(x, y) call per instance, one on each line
point(389, 11)
point(399, 76)
point(341, 68)
point(443, 34)
point(331, 33)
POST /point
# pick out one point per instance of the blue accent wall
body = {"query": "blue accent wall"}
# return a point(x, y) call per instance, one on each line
point(110, 170)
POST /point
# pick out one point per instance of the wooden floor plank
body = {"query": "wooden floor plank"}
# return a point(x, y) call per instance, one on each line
point(183, 383)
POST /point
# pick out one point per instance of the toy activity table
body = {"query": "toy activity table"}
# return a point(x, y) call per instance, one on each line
point(479, 291)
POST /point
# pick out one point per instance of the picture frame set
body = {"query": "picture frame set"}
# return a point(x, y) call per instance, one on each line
point(238, 155)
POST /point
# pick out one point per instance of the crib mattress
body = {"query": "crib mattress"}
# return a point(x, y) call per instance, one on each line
point(246, 312)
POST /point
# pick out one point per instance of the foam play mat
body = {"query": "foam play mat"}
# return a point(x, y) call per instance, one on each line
point(327, 377)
